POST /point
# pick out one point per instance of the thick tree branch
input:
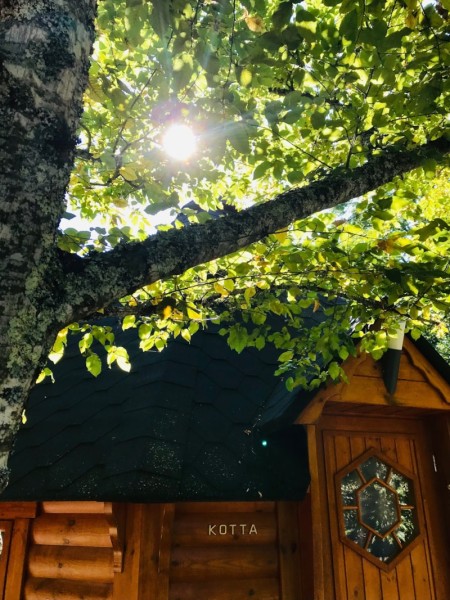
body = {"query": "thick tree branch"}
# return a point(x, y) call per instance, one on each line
point(130, 266)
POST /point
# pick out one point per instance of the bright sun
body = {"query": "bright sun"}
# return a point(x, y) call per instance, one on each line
point(179, 142)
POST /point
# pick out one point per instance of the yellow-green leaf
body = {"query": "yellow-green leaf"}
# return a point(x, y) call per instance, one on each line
point(94, 364)
point(246, 77)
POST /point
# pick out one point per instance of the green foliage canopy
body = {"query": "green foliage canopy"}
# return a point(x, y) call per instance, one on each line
point(279, 94)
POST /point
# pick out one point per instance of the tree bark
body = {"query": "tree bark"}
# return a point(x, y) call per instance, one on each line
point(102, 278)
point(45, 47)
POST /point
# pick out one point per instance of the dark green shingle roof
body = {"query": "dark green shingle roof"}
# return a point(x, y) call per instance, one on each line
point(180, 426)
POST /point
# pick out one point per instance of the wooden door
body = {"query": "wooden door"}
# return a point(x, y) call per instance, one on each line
point(372, 458)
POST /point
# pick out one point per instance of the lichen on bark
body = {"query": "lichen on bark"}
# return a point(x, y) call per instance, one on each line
point(40, 105)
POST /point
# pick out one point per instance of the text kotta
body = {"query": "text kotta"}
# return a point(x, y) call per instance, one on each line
point(232, 529)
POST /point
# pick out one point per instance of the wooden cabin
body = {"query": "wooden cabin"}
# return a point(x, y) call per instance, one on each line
point(197, 477)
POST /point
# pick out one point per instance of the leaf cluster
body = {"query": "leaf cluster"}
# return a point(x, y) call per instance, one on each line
point(278, 94)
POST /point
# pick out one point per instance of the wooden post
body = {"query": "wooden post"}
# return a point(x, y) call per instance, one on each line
point(317, 505)
point(115, 515)
point(288, 551)
point(16, 562)
point(139, 579)
point(164, 551)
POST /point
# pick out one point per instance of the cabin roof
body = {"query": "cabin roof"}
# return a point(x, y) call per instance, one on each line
point(194, 422)
point(182, 425)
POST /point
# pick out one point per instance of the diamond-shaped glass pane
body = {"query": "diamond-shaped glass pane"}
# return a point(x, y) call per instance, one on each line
point(384, 548)
point(353, 529)
point(378, 507)
point(408, 528)
point(374, 467)
point(403, 486)
point(349, 484)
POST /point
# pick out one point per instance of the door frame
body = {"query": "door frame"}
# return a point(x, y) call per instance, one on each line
point(324, 504)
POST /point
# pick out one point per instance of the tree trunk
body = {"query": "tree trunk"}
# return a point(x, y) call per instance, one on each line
point(44, 58)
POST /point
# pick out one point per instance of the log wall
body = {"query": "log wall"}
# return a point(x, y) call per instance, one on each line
point(70, 555)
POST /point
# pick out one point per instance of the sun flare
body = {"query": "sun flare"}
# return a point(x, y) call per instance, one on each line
point(179, 142)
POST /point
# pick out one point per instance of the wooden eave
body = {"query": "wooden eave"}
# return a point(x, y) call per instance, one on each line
point(420, 388)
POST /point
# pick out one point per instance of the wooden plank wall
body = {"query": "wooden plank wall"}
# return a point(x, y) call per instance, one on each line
point(207, 551)
point(70, 555)
point(214, 555)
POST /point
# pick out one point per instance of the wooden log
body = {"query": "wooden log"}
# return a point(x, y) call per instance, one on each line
point(65, 562)
point(71, 530)
point(260, 589)
point(74, 507)
point(221, 507)
point(209, 529)
point(212, 562)
point(59, 589)
point(17, 510)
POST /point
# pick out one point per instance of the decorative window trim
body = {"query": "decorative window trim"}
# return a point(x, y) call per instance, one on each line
point(341, 508)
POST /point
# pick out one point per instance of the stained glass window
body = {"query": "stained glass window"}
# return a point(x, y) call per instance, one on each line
point(379, 512)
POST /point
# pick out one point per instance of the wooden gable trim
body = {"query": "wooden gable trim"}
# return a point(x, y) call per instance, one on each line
point(434, 378)
point(419, 386)
point(312, 413)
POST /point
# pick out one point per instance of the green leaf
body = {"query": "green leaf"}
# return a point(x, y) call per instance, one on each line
point(343, 353)
point(144, 331)
point(123, 363)
point(350, 24)
point(317, 120)
point(394, 275)
point(282, 16)
point(94, 364)
point(261, 169)
point(160, 17)
point(334, 370)
point(41, 377)
point(237, 135)
point(246, 77)
point(237, 338)
point(429, 166)
point(128, 322)
point(186, 335)
point(286, 356)
point(85, 342)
